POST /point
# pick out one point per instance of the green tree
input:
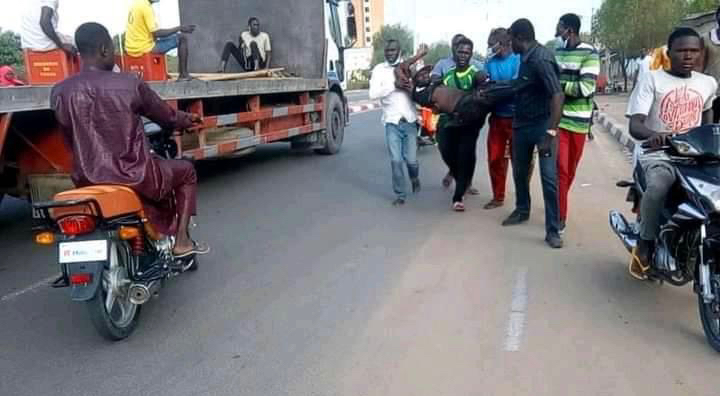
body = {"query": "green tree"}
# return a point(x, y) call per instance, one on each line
point(627, 26)
point(10, 50)
point(695, 6)
point(437, 51)
point(402, 34)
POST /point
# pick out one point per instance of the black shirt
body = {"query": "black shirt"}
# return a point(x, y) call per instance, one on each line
point(538, 80)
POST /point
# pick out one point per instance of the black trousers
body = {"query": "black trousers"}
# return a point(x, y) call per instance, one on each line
point(246, 63)
point(458, 148)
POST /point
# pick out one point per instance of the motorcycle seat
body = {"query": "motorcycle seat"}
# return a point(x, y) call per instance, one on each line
point(113, 201)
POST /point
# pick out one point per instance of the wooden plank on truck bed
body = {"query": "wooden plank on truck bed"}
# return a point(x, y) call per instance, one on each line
point(232, 76)
point(30, 98)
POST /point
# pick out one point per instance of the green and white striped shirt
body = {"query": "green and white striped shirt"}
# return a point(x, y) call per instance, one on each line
point(579, 69)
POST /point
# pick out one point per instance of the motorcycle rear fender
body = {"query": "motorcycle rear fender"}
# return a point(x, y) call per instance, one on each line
point(85, 292)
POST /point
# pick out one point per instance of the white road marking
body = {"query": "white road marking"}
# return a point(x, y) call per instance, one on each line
point(518, 312)
point(33, 287)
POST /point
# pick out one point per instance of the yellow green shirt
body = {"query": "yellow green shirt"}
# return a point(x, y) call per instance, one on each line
point(141, 25)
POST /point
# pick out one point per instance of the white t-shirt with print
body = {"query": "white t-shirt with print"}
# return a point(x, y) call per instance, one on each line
point(672, 104)
point(262, 40)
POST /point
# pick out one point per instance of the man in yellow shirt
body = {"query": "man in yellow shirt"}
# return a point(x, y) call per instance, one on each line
point(142, 36)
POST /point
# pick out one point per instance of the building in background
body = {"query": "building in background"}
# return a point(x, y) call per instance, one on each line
point(370, 19)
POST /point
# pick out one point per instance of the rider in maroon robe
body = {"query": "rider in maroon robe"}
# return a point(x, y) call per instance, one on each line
point(100, 113)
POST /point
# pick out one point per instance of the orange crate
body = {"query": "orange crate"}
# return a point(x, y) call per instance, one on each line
point(50, 67)
point(149, 67)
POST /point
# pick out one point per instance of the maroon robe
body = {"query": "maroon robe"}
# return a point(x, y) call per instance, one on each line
point(100, 113)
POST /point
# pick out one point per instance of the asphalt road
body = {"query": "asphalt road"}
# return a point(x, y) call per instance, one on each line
point(318, 286)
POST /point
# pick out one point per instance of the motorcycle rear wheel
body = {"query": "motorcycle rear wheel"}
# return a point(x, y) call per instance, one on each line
point(112, 314)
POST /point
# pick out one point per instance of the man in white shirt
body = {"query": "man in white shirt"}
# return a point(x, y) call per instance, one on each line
point(254, 51)
point(665, 103)
point(399, 117)
point(39, 28)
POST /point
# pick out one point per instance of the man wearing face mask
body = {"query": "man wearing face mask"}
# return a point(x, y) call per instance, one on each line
point(399, 117)
point(579, 67)
point(501, 65)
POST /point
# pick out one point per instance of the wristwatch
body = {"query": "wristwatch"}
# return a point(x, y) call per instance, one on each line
point(552, 132)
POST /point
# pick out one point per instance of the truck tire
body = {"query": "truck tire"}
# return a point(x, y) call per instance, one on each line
point(335, 127)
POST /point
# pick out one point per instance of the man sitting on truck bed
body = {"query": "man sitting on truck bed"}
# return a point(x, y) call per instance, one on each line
point(39, 28)
point(142, 36)
point(254, 51)
point(100, 114)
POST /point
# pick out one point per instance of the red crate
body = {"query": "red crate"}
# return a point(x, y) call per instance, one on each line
point(149, 67)
point(50, 67)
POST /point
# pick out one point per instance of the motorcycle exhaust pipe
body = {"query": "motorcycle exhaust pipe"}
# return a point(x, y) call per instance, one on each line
point(141, 293)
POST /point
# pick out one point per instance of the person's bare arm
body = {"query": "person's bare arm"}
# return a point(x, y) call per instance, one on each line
point(708, 117)
point(268, 55)
point(160, 33)
point(46, 25)
point(640, 131)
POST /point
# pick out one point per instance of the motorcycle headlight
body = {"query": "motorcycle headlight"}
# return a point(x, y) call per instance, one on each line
point(685, 148)
point(709, 191)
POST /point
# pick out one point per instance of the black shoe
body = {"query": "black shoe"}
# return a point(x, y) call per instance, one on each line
point(554, 241)
point(561, 228)
point(415, 186)
point(515, 218)
point(398, 202)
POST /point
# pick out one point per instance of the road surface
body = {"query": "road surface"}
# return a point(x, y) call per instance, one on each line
point(316, 285)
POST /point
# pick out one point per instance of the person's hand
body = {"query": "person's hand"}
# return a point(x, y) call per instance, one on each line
point(656, 141)
point(404, 84)
point(546, 145)
point(69, 49)
point(196, 119)
point(423, 50)
point(188, 29)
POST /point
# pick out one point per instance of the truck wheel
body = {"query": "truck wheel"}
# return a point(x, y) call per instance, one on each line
point(335, 125)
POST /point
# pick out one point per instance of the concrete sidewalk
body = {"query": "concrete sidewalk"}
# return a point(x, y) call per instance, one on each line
point(611, 116)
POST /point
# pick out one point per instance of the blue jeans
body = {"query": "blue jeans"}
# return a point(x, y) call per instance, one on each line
point(163, 45)
point(402, 144)
point(524, 141)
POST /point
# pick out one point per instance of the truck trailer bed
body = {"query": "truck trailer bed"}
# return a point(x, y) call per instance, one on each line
point(20, 99)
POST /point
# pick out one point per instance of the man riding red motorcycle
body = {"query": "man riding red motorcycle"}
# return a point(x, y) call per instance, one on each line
point(100, 114)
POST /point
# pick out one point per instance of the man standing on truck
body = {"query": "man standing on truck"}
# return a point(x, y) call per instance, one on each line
point(399, 117)
point(142, 36)
point(39, 28)
point(254, 51)
point(100, 113)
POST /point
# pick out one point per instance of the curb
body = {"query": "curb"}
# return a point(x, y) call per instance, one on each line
point(360, 108)
point(617, 130)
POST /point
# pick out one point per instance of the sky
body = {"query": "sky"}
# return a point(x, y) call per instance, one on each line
point(432, 20)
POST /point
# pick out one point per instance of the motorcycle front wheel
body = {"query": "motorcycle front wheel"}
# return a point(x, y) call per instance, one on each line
point(111, 311)
point(710, 318)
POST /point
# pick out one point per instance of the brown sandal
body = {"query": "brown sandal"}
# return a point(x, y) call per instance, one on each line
point(636, 268)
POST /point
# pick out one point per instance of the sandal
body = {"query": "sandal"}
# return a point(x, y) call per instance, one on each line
point(493, 204)
point(473, 191)
point(458, 207)
point(198, 248)
point(636, 268)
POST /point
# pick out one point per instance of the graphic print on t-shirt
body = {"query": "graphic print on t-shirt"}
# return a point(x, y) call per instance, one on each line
point(681, 109)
